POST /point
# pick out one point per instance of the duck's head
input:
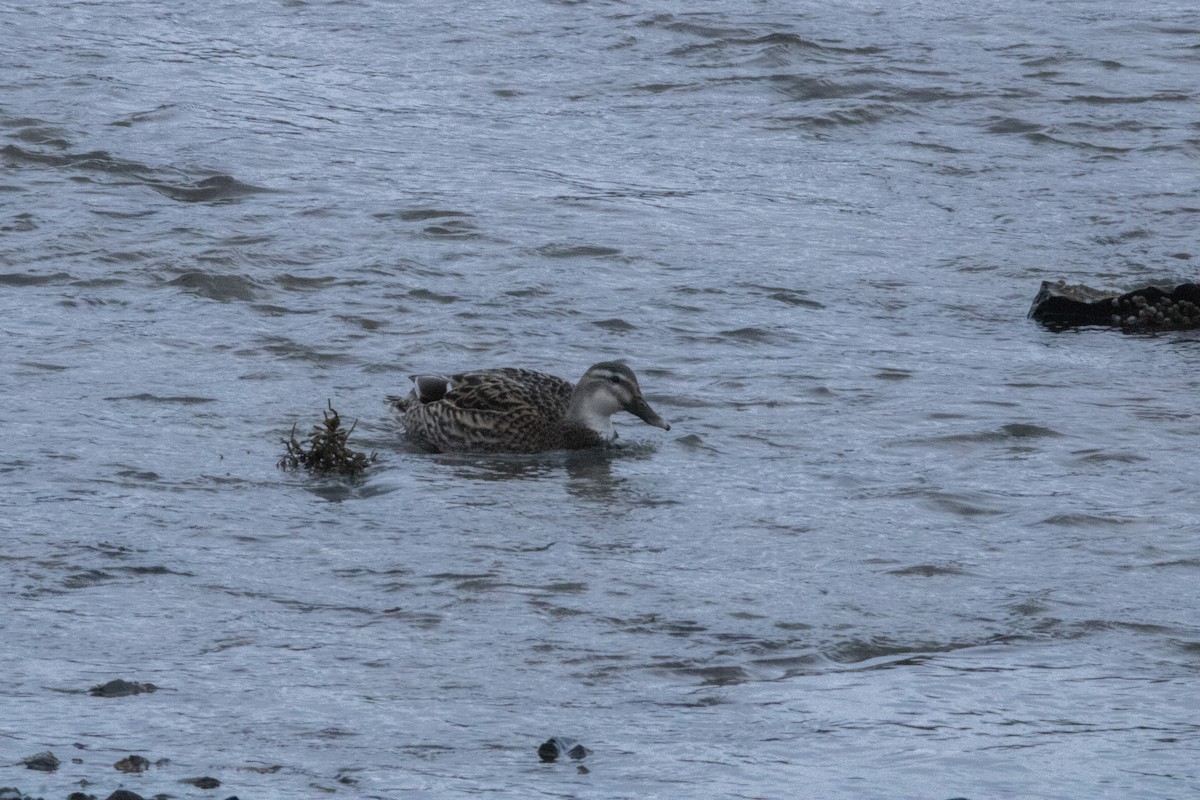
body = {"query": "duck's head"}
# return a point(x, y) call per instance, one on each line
point(605, 389)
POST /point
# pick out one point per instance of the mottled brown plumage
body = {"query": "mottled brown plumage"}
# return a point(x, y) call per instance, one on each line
point(511, 410)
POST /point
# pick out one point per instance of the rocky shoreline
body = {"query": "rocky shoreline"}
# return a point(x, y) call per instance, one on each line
point(131, 764)
point(12, 793)
point(551, 750)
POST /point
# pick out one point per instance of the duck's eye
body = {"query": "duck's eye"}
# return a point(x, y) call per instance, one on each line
point(615, 379)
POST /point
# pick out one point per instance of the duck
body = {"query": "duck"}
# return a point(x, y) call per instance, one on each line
point(516, 410)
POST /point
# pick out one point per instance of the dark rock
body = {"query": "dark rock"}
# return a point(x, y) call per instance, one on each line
point(42, 762)
point(1060, 306)
point(80, 796)
point(132, 764)
point(202, 783)
point(124, 794)
point(556, 746)
point(120, 688)
point(12, 793)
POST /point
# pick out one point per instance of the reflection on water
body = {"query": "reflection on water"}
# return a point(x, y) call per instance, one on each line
point(592, 475)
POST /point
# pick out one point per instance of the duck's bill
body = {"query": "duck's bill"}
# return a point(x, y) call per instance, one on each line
point(642, 410)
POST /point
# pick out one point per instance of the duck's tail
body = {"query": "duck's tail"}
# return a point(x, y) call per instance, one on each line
point(426, 389)
point(429, 388)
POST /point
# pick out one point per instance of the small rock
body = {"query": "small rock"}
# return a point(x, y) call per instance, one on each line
point(42, 762)
point(552, 748)
point(12, 793)
point(202, 783)
point(132, 764)
point(124, 794)
point(121, 688)
point(80, 796)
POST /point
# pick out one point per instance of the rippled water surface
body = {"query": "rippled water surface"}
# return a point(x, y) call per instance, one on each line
point(899, 542)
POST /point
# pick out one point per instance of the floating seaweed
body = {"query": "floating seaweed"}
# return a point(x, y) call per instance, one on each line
point(327, 451)
point(1144, 310)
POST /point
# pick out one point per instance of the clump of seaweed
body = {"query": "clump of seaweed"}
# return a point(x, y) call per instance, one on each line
point(327, 451)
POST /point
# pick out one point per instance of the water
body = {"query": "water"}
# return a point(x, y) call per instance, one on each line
point(900, 541)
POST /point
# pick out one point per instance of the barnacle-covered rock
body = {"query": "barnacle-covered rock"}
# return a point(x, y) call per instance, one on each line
point(1059, 305)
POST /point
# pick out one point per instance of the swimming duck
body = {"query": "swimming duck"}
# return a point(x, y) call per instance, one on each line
point(511, 410)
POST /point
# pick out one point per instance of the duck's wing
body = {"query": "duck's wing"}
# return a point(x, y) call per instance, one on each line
point(495, 410)
point(488, 390)
point(508, 389)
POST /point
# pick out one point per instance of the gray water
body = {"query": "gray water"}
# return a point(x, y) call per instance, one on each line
point(900, 541)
